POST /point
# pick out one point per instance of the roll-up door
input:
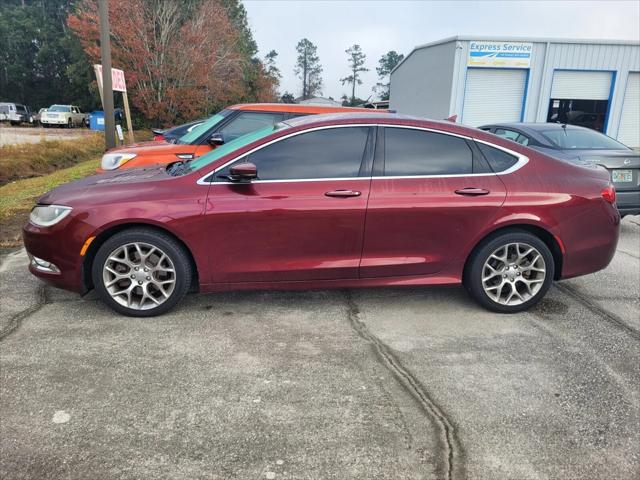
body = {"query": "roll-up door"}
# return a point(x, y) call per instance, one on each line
point(629, 129)
point(581, 85)
point(493, 95)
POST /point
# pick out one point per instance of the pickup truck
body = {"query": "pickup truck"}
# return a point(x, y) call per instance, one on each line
point(64, 115)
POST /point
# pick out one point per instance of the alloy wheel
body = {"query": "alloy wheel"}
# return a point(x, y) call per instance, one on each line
point(139, 276)
point(513, 274)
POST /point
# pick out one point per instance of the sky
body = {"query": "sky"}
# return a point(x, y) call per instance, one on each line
point(382, 25)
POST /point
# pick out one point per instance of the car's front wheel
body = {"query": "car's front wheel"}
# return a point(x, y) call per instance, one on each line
point(510, 272)
point(141, 272)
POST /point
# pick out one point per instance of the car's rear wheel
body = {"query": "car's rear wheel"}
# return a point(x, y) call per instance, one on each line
point(141, 272)
point(510, 272)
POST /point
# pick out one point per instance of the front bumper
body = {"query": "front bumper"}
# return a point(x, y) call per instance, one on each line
point(56, 246)
point(54, 121)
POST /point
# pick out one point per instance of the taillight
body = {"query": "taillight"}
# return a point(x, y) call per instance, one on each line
point(158, 138)
point(609, 194)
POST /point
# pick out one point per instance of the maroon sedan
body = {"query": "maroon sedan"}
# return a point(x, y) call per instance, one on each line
point(349, 200)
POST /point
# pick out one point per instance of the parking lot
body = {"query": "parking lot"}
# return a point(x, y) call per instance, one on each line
point(18, 135)
point(372, 383)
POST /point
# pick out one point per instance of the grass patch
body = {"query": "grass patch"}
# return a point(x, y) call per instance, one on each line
point(34, 159)
point(43, 165)
point(17, 198)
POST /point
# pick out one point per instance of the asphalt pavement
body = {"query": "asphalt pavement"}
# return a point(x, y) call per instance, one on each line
point(416, 383)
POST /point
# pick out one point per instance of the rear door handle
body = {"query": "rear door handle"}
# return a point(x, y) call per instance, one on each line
point(342, 193)
point(472, 192)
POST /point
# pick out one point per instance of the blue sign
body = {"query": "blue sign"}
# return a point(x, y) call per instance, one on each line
point(499, 54)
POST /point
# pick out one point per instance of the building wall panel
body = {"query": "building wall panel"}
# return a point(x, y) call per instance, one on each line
point(421, 85)
point(431, 82)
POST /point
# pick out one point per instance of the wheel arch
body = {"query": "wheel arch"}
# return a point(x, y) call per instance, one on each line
point(108, 232)
point(550, 240)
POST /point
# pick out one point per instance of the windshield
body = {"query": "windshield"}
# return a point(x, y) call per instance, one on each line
point(227, 148)
point(197, 132)
point(578, 139)
point(59, 108)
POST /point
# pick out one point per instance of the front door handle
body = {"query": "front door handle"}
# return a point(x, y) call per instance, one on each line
point(342, 193)
point(472, 192)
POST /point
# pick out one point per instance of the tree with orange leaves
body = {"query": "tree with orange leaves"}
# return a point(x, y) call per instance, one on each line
point(181, 59)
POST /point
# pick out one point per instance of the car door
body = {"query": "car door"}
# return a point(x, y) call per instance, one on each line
point(431, 193)
point(302, 219)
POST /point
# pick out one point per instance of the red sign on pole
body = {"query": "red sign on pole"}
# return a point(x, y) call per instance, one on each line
point(117, 78)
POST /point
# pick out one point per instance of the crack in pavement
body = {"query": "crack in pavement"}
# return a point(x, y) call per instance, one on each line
point(597, 309)
point(454, 467)
point(17, 319)
point(628, 253)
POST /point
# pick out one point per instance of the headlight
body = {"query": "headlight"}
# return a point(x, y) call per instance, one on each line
point(111, 161)
point(47, 215)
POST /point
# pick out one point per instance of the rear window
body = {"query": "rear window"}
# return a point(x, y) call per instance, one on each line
point(581, 139)
point(498, 159)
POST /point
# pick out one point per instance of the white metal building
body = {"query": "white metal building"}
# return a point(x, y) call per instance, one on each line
point(594, 83)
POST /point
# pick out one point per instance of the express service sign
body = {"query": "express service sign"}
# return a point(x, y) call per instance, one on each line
point(499, 54)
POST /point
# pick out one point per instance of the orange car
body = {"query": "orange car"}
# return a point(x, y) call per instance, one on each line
point(227, 125)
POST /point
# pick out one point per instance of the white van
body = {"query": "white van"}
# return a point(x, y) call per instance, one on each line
point(15, 113)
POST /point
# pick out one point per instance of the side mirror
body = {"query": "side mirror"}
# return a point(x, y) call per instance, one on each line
point(243, 172)
point(216, 140)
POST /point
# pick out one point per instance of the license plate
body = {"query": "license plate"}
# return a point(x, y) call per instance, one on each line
point(622, 176)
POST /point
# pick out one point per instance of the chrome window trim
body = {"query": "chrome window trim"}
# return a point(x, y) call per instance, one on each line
point(522, 159)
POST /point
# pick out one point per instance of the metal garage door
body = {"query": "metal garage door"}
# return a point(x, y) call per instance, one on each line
point(493, 95)
point(581, 85)
point(629, 130)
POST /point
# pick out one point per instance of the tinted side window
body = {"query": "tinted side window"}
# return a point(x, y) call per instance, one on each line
point(417, 152)
point(330, 153)
point(499, 160)
point(509, 134)
point(513, 136)
point(248, 122)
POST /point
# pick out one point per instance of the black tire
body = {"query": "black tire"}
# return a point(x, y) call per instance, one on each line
point(174, 250)
point(70, 124)
point(475, 266)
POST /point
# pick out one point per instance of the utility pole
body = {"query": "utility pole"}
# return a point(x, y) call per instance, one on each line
point(107, 87)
